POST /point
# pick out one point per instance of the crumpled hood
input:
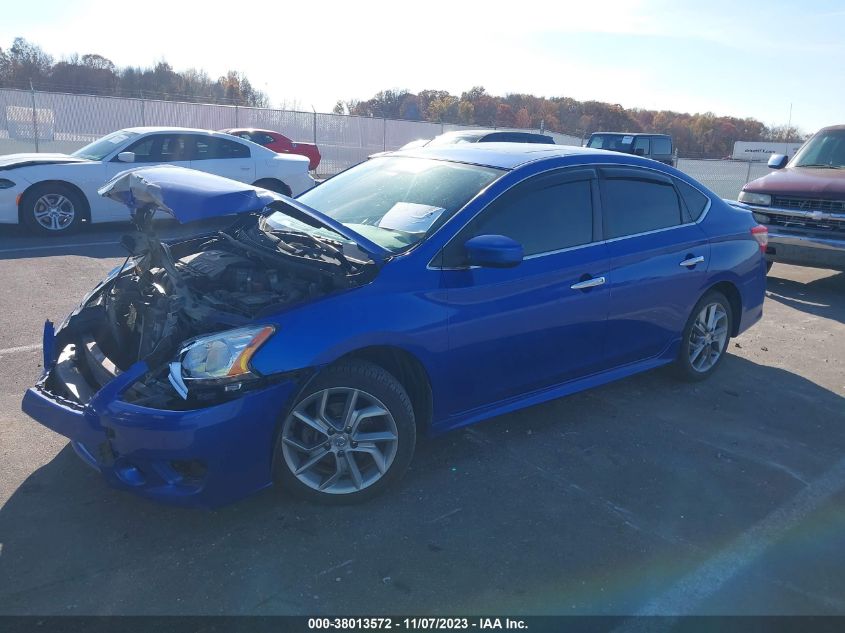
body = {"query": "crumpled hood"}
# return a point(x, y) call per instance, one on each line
point(12, 161)
point(190, 195)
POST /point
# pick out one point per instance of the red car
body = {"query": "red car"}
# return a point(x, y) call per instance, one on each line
point(278, 143)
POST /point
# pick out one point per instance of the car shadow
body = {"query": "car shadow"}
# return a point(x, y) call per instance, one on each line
point(824, 297)
point(588, 504)
point(97, 240)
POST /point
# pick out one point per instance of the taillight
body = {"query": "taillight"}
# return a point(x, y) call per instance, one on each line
point(761, 234)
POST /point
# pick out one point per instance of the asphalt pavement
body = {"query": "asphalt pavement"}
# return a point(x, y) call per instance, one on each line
point(644, 496)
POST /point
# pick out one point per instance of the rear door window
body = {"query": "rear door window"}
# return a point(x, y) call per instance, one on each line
point(642, 147)
point(212, 147)
point(635, 203)
point(661, 145)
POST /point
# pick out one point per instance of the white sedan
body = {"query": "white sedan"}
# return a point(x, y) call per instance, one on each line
point(55, 193)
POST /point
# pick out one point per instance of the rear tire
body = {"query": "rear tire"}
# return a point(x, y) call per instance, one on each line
point(348, 437)
point(705, 338)
point(53, 209)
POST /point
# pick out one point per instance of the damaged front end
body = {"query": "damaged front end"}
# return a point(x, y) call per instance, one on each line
point(196, 310)
point(151, 376)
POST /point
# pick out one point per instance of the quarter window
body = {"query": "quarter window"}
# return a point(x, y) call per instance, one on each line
point(694, 200)
point(631, 206)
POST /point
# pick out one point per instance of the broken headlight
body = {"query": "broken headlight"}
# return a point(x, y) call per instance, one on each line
point(220, 359)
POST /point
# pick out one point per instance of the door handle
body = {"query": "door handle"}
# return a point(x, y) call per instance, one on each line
point(589, 283)
point(689, 262)
point(246, 168)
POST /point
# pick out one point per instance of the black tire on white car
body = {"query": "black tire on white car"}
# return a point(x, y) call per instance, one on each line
point(52, 209)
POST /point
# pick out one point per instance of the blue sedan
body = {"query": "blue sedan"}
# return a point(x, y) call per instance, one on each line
point(421, 291)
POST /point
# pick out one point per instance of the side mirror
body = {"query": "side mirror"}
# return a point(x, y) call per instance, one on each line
point(777, 161)
point(126, 157)
point(493, 251)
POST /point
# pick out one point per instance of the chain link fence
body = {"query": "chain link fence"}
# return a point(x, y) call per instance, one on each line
point(32, 121)
point(723, 177)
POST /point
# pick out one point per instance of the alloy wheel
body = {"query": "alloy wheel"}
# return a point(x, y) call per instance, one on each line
point(708, 337)
point(54, 212)
point(339, 440)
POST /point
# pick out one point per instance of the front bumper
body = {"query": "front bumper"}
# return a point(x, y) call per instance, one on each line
point(794, 239)
point(805, 250)
point(201, 457)
point(9, 200)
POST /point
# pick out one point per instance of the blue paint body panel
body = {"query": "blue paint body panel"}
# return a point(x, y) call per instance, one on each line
point(491, 340)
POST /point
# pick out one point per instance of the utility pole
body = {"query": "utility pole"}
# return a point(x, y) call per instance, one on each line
point(789, 124)
point(34, 116)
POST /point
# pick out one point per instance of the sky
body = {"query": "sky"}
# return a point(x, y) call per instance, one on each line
point(748, 59)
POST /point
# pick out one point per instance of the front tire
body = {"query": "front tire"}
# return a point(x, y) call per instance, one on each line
point(52, 209)
point(348, 437)
point(705, 337)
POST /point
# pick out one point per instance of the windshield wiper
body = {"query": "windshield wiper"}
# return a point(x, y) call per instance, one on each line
point(325, 245)
point(823, 165)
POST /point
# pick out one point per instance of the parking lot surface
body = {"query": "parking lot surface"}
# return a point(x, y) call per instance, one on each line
point(644, 496)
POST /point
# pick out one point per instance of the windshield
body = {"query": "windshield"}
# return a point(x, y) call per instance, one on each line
point(824, 150)
point(613, 142)
point(102, 147)
point(393, 201)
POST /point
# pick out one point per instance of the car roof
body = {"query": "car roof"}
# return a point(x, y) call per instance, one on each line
point(485, 132)
point(148, 129)
point(499, 155)
point(632, 133)
point(466, 133)
point(229, 130)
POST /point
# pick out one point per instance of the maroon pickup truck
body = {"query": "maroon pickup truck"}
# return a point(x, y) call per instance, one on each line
point(803, 203)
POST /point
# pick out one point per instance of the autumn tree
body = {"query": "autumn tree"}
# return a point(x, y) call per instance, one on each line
point(25, 64)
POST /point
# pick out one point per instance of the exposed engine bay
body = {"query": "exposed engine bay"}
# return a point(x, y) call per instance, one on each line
point(165, 294)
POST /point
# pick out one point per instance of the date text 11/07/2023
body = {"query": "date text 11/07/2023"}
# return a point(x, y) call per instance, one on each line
point(416, 624)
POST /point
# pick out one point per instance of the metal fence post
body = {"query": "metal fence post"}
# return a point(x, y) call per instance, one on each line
point(384, 134)
point(748, 173)
point(237, 122)
point(34, 116)
point(314, 131)
point(143, 112)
